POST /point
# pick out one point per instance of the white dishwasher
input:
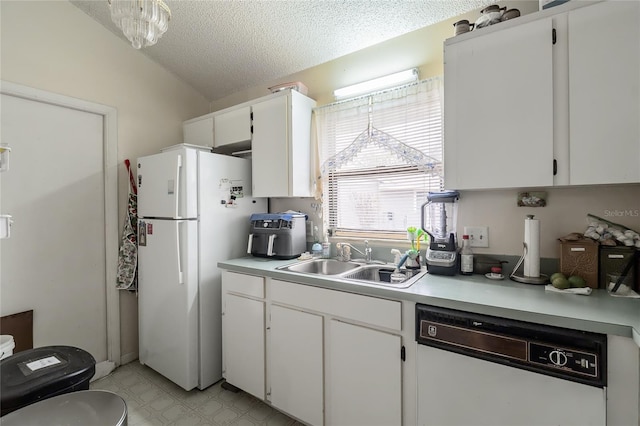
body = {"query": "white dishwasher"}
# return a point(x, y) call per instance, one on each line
point(481, 370)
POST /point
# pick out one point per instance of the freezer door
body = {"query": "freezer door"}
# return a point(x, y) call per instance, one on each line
point(168, 298)
point(167, 185)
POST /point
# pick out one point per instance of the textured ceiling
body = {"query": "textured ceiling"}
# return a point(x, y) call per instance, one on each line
point(220, 47)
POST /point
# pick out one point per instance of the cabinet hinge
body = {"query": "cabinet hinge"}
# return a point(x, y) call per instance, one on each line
point(403, 354)
point(555, 167)
point(553, 36)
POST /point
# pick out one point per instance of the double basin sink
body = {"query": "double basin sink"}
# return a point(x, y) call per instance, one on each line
point(354, 272)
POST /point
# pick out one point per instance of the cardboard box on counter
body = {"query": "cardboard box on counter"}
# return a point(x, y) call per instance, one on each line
point(580, 257)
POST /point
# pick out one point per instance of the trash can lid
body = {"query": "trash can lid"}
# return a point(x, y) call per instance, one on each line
point(38, 373)
point(88, 407)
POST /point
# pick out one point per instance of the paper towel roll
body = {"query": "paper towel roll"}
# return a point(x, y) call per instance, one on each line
point(532, 241)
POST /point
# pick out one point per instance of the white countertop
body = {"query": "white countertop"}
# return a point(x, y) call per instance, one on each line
point(598, 312)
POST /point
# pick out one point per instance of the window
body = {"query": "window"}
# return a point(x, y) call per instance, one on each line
point(379, 156)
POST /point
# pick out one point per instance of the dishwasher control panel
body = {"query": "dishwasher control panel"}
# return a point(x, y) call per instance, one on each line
point(579, 362)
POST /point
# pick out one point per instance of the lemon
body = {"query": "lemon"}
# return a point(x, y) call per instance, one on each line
point(561, 283)
point(576, 281)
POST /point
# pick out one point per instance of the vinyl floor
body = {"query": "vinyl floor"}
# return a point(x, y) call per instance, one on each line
point(154, 400)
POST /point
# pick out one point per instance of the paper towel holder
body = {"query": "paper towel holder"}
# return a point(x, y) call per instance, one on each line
point(540, 279)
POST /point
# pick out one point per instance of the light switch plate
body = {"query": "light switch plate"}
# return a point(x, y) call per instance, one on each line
point(478, 235)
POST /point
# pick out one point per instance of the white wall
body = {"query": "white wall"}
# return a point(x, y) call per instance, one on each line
point(53, 46)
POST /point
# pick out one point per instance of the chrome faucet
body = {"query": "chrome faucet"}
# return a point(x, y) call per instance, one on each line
point(347, 257)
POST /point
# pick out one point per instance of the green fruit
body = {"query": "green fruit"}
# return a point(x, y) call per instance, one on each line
point(561, 283)
point(576, 281)
point(557, 275)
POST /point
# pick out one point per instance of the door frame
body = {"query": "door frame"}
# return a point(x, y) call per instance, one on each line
point(110, 175)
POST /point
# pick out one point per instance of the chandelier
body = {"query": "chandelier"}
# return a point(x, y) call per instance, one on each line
point(142, 21)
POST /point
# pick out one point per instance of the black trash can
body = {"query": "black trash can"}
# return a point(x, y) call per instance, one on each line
point(40, 373)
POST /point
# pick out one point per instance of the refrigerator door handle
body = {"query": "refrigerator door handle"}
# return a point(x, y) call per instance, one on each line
point(250, 245)
point(179, 253)
point(177, 185)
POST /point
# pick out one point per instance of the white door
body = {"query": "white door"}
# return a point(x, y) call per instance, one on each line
point(168, 298)
point(499, 109)
point(244, 344)
point(232, 127)
point(167, 185)
point(271, 146)
point(604, 87)
point(364, 376)
point(459, 390)
point(296, 364)
point(54, 262)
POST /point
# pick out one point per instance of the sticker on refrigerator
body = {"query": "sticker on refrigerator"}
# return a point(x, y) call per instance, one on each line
point(142, 234)
point(230, 191)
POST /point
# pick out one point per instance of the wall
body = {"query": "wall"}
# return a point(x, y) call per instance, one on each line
point(53, 46)
point(567, 208)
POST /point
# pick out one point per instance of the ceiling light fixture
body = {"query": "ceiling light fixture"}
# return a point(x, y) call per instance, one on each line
point(387, 81)
point(142, 21)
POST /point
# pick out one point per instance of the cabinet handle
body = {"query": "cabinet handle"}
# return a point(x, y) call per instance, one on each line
point(403, 354)
point(553, 36)
point(555, 167)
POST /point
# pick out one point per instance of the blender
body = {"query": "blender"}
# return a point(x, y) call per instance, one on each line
point(439, 217)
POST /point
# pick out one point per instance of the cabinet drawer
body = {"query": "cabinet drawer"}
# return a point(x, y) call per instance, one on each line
point(248, 285)
point(366, 309)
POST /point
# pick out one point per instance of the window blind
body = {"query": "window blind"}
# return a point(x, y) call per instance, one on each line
point(379, 156)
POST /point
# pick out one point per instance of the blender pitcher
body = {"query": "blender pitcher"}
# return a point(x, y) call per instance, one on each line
point(439, 217)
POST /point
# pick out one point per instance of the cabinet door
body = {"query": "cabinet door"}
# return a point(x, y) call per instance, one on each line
point(604, 88)
point(499, 109)
point(295, 361)
point(243, 343)
point(270, 148)
point(364, 385)
point(232, 127)
point(198, 132)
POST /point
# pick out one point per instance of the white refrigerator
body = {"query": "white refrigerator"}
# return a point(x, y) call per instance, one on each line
point(193, 211)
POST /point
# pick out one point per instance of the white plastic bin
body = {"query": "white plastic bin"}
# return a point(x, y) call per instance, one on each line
point(6, 346)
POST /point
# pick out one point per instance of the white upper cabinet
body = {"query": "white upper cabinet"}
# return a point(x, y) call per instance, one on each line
point(198, 131)
point(552, 98)
point(232, 127)
point(277, 130)
point(281, 145)
point(499, 109)
point(604, 93)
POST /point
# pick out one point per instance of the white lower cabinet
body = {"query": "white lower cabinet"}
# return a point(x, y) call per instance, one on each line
point(296, 363)
point(243, 334)
point(331, 357)
point(364, 376)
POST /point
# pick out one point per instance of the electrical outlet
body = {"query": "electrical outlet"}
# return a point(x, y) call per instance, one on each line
point(478, 235)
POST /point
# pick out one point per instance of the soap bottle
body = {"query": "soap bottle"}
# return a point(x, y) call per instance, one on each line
point(466, 257)
point(326, 248)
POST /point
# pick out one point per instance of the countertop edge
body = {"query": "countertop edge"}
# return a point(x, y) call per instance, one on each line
point(550, 313)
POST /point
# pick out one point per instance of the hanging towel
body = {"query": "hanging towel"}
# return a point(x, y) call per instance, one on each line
point(128, 253)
